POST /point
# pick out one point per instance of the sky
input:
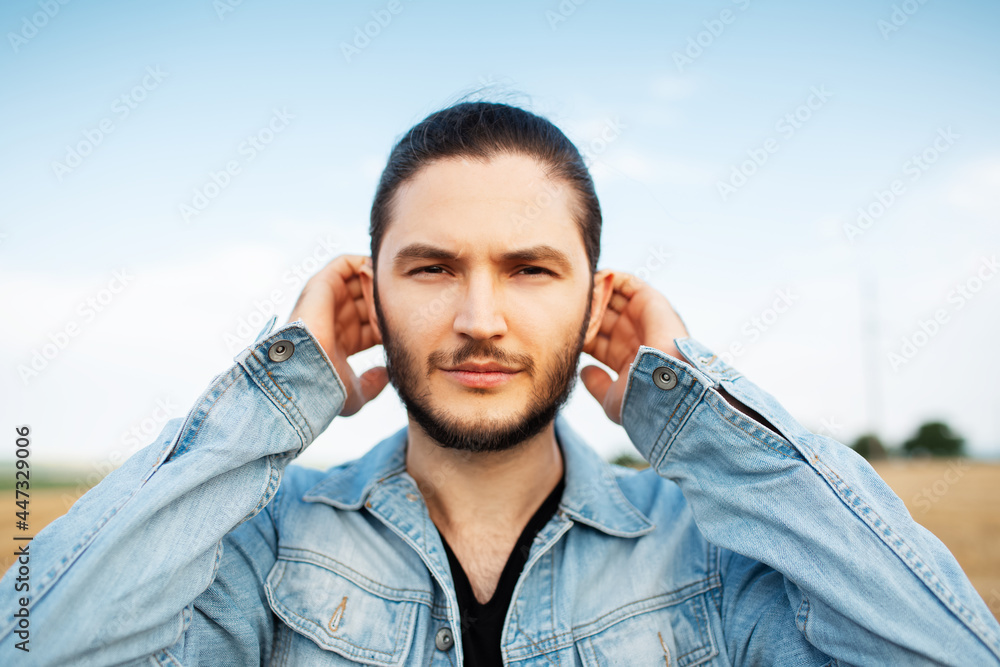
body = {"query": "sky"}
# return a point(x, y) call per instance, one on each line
point(814, 186)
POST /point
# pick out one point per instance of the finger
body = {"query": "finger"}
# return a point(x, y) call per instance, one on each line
point(597, 382)
point(628, 284)
point(609, 321)
point(340, 271)
point(369, 336)
point(373, 381)
point(354, 287)
point(618, 302)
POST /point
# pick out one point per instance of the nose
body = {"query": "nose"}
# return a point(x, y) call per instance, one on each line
point(480, 310)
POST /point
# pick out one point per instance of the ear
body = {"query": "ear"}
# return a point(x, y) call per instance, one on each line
point(366, 275)
point(603, 289)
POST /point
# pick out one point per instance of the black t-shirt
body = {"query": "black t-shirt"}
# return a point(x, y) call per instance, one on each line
point(482, 624)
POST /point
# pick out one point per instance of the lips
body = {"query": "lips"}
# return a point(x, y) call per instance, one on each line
point(481, 376)
point(483, 368)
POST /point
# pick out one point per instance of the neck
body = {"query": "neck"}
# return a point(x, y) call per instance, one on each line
point(495, 492)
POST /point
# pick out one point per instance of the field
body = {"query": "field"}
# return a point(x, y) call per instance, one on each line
point(957, 500)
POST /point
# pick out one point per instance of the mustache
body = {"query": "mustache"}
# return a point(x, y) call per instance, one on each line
point(478, 351)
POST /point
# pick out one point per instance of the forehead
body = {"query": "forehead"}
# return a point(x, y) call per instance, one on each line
point(477, 208)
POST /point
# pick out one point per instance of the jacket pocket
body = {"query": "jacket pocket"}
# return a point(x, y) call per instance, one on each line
point(675, 634)
point(349, 615)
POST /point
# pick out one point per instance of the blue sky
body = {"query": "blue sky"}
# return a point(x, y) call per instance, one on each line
point(838, 109)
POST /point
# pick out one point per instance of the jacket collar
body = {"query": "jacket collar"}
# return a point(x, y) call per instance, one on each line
point(591, 494)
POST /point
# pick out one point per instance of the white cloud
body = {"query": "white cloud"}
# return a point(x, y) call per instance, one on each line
point(977, 189)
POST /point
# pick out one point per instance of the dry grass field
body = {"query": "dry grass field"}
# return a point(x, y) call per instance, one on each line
point(957, 500)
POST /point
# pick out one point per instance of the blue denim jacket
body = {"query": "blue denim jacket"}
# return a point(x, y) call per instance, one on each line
point(740, 545)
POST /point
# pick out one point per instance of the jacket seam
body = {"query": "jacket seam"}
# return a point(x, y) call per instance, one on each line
point(902, 550)
point(666, 444)
point(287, 557)
point(802, 615)
point(53, 575)
point(183, 437)
point(534, 644)
point(574, 635)
point(697, 589)
point(303, 623)
point(287, 410)
point(165, 657)
point(739, 420)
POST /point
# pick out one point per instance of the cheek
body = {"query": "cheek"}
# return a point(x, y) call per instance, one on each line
point(424, 319)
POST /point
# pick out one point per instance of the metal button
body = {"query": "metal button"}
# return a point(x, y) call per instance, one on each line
point(443, 639)
point(411, 496)
point(280, 350)
point(664, 378)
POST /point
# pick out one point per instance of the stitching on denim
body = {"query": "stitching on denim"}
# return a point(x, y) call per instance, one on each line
point(902, 549)
point(552, 584)
point(586, 644)
point(308, 627)
point(691, 405)
point(697, 606)
point(544, 654)
point(278, 386)
point(277, 645)
point(288, 638)
point(58, 569)
point(625, 394)
point(165, 657)
point(184, 439)
point(619, 498)
point(273, 483)
point(802, 615)
point(699, 654)
point(754, 432)
point(291, 411)
point(639, 609)
point(287, 554)
point(574, 632)
point(659, 441)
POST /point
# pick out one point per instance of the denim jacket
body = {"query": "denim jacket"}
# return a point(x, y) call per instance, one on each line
point(739, 545)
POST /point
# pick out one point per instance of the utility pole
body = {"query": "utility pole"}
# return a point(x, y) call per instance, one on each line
point(870, 345)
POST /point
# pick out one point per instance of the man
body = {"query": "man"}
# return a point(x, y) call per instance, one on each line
point(487, 531)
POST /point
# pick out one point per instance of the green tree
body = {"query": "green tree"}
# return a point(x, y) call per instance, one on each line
point(935, 439)
point(869, 446)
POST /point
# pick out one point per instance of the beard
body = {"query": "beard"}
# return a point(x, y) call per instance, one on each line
point(549, 392)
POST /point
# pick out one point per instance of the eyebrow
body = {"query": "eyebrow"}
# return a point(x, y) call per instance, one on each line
point(538, 253)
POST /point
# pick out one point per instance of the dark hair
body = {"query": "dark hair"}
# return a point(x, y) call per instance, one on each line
point(482, 130)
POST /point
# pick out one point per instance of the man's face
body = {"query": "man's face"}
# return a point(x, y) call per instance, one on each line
point(483, 263)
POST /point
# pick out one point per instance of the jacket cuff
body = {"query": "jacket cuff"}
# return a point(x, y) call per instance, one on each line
point(660, 384)
point(292, 369)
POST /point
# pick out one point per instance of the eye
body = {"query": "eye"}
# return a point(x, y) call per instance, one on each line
point(539, 269)
point(426, 269)
point(437, 269)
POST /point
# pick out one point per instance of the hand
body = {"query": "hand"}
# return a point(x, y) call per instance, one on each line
point(333, 308)
point(636, 315)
